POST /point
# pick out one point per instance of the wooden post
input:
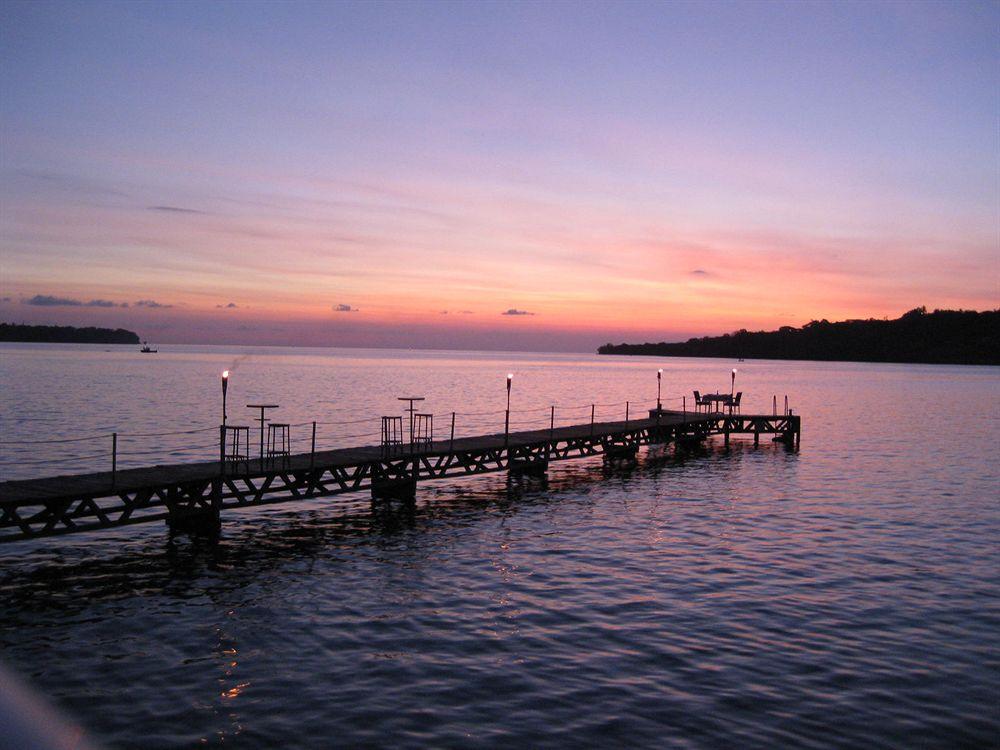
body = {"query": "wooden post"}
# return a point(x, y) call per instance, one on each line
point(684, 407)
point(222, 450)
point(774, 406)
point(626, 415)
point(451, 442)
point(506, 428)
point(312, 449)
point(786, 405)
point(114, 458)
point(552, 422)
point(592, 419)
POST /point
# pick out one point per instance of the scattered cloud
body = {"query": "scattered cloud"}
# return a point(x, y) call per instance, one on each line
point(443, 312)
point(150, 303)
point(175, 210)
point(230, 306)
point(699, 272)
point(465, 312)
point(68, 182)
point(514, 311)
point(344, 308)
point(47, 300)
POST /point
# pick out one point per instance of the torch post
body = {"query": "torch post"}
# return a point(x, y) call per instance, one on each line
point(506, 418)
point(225, 387)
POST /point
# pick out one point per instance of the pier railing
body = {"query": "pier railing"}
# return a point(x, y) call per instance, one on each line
point(118, 450)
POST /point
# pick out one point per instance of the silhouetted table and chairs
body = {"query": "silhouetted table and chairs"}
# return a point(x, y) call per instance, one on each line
point(421, 432)
point(717, 402)
point(271, 432)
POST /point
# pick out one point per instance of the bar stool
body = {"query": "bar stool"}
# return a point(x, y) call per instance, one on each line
point(236, 446)
point(423, 430)
point(392, 435)
point(278, 442)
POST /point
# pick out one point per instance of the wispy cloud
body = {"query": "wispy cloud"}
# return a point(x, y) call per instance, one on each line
point(104, 303)
point(699, 272)
point(230, 306)
point(150, 303)
point(69, 182)
point(175, 210)
point(344, 308)
point(515, 311)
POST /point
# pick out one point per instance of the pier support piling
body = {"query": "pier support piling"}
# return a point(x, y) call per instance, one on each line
point(404, 489)
point(191, 511)
point(620, 453)
point(521, 467)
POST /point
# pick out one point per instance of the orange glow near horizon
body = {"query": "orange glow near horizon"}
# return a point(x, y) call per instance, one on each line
point(665, 289)
point(448, 193)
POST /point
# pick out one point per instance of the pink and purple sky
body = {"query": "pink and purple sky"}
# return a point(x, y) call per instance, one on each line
point(545, 176)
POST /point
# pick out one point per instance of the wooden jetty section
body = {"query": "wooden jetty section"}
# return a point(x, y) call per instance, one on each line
point(191, 497)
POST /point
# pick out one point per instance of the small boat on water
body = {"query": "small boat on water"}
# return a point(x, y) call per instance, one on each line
point(146, 350)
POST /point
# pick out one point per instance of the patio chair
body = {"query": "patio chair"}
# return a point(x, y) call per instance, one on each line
point(699, 402)
point(734, 406)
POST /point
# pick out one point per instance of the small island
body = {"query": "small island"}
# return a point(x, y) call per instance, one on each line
point(963, 337)
point(66, 334)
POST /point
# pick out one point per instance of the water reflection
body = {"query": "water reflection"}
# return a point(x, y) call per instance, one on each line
point(749, 597)
point(191, 565)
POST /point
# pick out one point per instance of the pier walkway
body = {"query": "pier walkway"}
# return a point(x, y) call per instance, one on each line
point(192, 496)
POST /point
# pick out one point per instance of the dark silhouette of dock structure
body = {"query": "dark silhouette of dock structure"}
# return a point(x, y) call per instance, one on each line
point(192, 496)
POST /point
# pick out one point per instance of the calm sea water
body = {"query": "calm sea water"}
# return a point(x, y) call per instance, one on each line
point(846, 595)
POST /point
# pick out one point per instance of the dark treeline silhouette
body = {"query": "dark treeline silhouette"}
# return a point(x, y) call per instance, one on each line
point(66, 334)
point(941, 337)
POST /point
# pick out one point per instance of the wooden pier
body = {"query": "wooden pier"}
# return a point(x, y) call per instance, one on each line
point(191, 497)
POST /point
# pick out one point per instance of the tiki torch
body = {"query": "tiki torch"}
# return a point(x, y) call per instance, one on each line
point(506, 417)
point(225, 387)
point(659, 378)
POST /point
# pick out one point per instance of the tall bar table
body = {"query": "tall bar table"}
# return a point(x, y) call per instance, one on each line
point(262, 407)
point(412, 409)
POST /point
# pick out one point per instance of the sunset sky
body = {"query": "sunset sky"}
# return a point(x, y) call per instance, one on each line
point(545, 176)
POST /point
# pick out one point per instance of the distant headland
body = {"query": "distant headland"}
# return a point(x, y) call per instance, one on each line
point(66, 334)
point(963, 337)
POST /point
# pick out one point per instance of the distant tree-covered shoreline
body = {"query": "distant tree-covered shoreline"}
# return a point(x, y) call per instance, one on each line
point(66, 334)
point(941, 337)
